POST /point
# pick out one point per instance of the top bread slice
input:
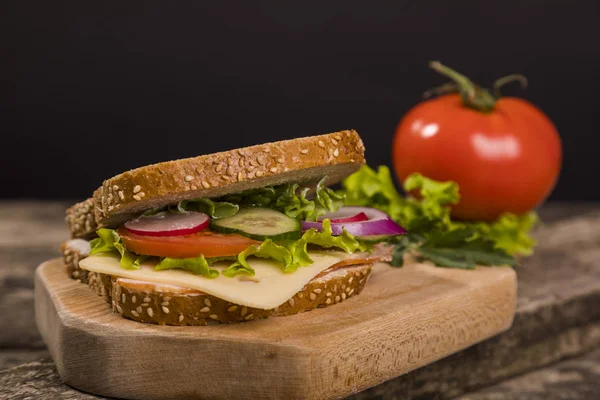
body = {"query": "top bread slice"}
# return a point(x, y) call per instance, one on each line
point(81, 220)
point(303, 160)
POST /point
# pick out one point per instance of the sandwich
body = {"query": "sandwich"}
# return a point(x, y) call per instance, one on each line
point(229, 237)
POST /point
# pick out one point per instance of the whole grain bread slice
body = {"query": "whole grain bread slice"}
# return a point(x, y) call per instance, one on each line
point(147, 302)
point(72, 251)
point(308, 159)
point(81, 220)
point(168, 305)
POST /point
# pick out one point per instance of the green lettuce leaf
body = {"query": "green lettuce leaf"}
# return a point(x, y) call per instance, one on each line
point(295, 206)
point(216, 209)
point(267, 249)
point(442, 193)
point(509, 232)
point(109, 241)
point(426, 216)
point(299, 248)
point(327, 200)
point(460, 248)
point(289, 255)
point(402, 245)
point(429, 212)
point(294, 254)
point(299, 251)
point(371, 188)
point(325, 238)
point(198, 265)
point(261, 197)
point(105, 242)
point(463, 248)
point(291, 199)
point(345, 241)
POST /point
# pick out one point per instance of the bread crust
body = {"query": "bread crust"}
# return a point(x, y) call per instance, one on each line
point(81, 220)
point(196, 308)
point(73, 251)
point(133, 300)
point(101, 284)
point(308, 159)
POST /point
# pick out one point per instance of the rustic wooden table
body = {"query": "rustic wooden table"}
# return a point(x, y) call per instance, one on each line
point(550, 353)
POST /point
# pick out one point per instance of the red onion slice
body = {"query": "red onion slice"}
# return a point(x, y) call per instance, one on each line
point(379, 223)
point(348, 211)
point(355, 218)
point(169, 224)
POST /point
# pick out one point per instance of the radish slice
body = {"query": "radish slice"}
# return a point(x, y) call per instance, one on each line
point(379, 223)
point(355, 218)
point(169, 224)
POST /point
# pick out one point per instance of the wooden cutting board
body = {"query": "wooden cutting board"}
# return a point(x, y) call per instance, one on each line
point(404, 319)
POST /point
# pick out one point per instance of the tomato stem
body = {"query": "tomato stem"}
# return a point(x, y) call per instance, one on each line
point(498, 83)
point(448, 87)
point(473, 95)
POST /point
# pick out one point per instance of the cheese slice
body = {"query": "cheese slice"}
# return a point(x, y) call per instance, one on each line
point(268, 288)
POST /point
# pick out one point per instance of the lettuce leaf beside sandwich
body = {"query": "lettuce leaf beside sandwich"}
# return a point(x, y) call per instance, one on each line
point(433, 235)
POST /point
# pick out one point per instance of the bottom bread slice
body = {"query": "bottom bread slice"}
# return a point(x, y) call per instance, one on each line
point(159, 304)
point(173, 305)
point(72, 251)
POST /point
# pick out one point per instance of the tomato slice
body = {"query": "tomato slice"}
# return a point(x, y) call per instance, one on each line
point(207, 243)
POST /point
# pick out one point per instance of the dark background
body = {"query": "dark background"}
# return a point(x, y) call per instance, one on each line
point(90, 89)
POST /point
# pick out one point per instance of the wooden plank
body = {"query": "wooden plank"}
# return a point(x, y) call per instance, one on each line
point(32, 223)
point(556, 211)
point(13, 357)
point(16, 296)
point(37, 380)
point(30, 232)
point(576, 379)
point(403, 319)
point(509, 354)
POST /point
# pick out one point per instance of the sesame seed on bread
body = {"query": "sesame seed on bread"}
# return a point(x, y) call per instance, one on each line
point(168, 305)
point(81, 220)
point(74, 250)
point(145, 302)
point(308, 159)
point(303, 160)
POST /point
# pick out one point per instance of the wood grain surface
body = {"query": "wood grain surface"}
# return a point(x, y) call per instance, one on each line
point(404, 319)
point(554, 320)
point(576, 379)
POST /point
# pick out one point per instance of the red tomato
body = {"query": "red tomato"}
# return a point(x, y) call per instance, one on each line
point(207, 243)
point(505, 160)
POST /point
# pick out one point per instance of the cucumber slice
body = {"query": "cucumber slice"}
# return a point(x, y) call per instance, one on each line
point(259, 224)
